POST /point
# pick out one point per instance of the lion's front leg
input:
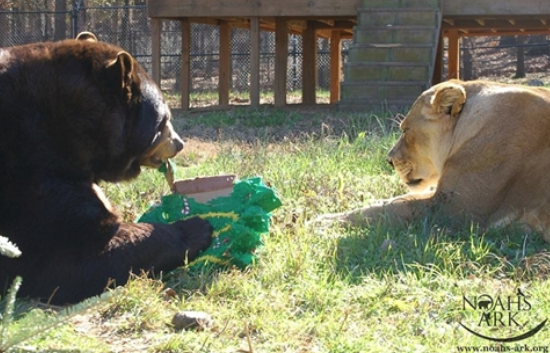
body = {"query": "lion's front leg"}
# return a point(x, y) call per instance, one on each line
point(396, 210)
point(359, 217)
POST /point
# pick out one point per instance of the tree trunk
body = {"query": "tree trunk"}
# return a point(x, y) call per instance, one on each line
point(60, 31)
point(468, 72)
point(520, 57)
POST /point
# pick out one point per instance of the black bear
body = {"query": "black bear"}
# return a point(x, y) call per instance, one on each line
point(74, 113)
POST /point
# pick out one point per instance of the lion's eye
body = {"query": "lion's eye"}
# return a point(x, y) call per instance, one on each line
point(405, 130)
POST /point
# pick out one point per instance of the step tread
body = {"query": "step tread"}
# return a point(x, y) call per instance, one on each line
point(383, 83)
point(391, 45)
point(375, 105)
point(395, 27)
point(397, 9)
point(356, 101)
point(388, 64)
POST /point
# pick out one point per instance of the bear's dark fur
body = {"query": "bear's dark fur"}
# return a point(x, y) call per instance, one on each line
point(73, 113)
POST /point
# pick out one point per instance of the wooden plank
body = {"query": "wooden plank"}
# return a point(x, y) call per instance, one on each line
point(488, 32)
point(255, 61)
point(247, 8)
point(437, 76)
point(497, 24)
point(335, 66)
point(309, 64)
point(281, 57)
point(185, 63)
point(224, 64)
point(492, 7)
point(454, 55)
point(156, 28)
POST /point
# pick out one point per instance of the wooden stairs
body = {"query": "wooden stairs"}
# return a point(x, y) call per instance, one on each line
point(391, 60)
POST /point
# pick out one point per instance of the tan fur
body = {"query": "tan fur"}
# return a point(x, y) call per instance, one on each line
point(474, 151)
point(166, 145)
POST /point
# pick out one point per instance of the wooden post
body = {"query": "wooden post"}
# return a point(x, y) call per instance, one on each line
point(309, 64)
point(281, 57)
point(454, 54)
point(185, 63)
point(437, 76)
point(335, 66)
point(156, 27)
point(224, 63)
point(255, 61)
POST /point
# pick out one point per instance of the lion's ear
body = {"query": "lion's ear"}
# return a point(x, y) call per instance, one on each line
point(89, 36)
point(448, 99)
point(121, 73)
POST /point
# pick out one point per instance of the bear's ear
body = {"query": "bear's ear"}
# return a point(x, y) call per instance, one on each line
point(89, 36)
point(448, 99)
point(121, 73)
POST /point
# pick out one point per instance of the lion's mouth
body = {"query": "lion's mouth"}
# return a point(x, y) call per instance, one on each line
point(414, 182)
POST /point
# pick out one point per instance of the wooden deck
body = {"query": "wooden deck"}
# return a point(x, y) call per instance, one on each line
point(334, 19)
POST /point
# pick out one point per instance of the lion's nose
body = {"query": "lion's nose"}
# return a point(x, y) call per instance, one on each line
point(390, 161)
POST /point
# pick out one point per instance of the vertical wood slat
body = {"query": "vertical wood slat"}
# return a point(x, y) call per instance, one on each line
point(335, 65)
point(185, 63)
point(156, 27)
point(454, 54)
point(255, 61)
point(281, 57)
point(438, 65)
point(309, 64)
point(224, 63)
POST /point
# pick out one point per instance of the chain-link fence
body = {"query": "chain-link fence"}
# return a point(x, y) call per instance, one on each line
point(129, 27)
point(205, 58)
point(505, 57)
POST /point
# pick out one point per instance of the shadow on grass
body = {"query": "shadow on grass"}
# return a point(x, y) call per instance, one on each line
point(460, 253)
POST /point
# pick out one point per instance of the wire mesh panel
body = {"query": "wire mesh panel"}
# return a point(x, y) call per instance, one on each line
point(21, 27)
point(204, 63)
point(129, 27)
point(125, 26)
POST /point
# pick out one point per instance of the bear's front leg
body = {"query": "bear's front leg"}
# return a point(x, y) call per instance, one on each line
point(159, 247)
point(64, 277)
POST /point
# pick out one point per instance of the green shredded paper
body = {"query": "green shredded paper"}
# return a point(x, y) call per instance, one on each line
point(239, 220)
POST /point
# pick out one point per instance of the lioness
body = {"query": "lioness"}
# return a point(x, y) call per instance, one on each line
point(476, 151)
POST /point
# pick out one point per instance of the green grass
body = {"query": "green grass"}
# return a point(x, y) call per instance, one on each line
point(385, 288)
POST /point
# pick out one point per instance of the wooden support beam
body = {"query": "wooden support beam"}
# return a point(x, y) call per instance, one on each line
point(309, 64)
point(335, 65)
point(224, 64)
point(281, 57)
point(255, 61)
point(156, 28)
point(454, 54)
point(437, 76)
point(247, 8)
point(496, 25)
point(185, 63)
point(488, 32)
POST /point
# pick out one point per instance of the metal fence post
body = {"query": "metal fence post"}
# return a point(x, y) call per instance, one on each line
point(77, 4)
